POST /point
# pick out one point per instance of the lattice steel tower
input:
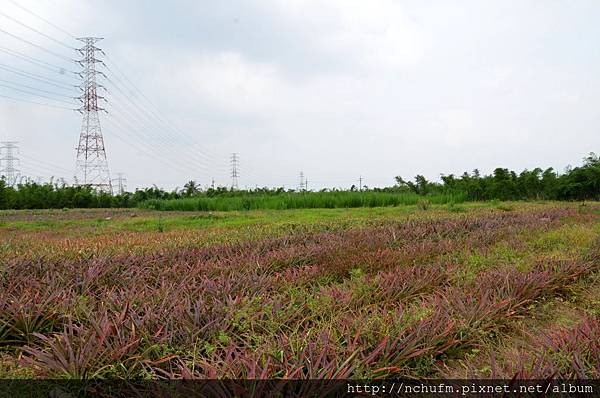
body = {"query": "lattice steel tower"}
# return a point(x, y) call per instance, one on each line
point(121, 183)
point(8, 161)
point(92, 166)
point(234, 170)
point(302, 186)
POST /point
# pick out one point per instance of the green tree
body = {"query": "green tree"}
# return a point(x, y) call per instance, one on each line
point(190, 188)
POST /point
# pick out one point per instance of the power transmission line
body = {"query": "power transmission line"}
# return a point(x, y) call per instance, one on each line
point(34, 102)
point(46, 163)
point(36, 89)
point(36, 31)
point(31, 168)
point(154, 118)
point(157, 123)
point(126, 125)
point(36, 95)
point(165, 121)
point(39, 78)
point(138, 116)
point(127, 130)
point(139, 134)
point(43, 64)
point(38, 46)
point(42, 19)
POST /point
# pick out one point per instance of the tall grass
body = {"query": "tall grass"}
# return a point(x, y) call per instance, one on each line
point(307, 200)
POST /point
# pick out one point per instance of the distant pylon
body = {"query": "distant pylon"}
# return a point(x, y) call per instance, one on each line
point(92, 166)
point(235, 173)
point(8, 161)
point(302, 185)
point(121, 183)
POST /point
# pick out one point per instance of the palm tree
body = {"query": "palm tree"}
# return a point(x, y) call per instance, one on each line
point(190, 188)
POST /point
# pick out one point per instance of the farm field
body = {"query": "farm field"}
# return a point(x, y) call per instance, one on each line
point(477, 289)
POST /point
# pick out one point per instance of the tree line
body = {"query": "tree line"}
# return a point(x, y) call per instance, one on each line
point(578, 183)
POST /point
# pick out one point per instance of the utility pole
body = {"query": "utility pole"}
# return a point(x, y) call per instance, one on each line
point(92, 166)
point(8, 162)
point(360, 183)
point(212, 184)
point(301, 187)
point(234, 170)
point(121, 183)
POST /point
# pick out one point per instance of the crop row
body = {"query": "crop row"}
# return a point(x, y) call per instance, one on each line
point(361, 302)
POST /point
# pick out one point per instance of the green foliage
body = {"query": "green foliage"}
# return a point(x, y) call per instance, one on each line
point(453, 207)
point(292, 200)
point(31, 195)
point(579, 183)
point(423, 204)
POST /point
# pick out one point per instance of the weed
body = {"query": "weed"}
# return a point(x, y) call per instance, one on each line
point(454, 208)
point(423, 204)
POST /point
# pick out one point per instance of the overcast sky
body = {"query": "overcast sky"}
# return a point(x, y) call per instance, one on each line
point(334, 88)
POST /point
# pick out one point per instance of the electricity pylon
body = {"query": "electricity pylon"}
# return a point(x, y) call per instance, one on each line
point(92, 166)
point(301, 187)
point(121, 183)
point(8, 162)
point(234, 170)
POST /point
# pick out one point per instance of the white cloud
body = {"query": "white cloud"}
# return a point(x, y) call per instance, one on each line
point(233, 84)
point(228, 81)
point(458, 127)
point(375, 34)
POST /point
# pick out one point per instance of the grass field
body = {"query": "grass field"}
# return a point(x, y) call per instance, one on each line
point(478, 289)
point(305, 200)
